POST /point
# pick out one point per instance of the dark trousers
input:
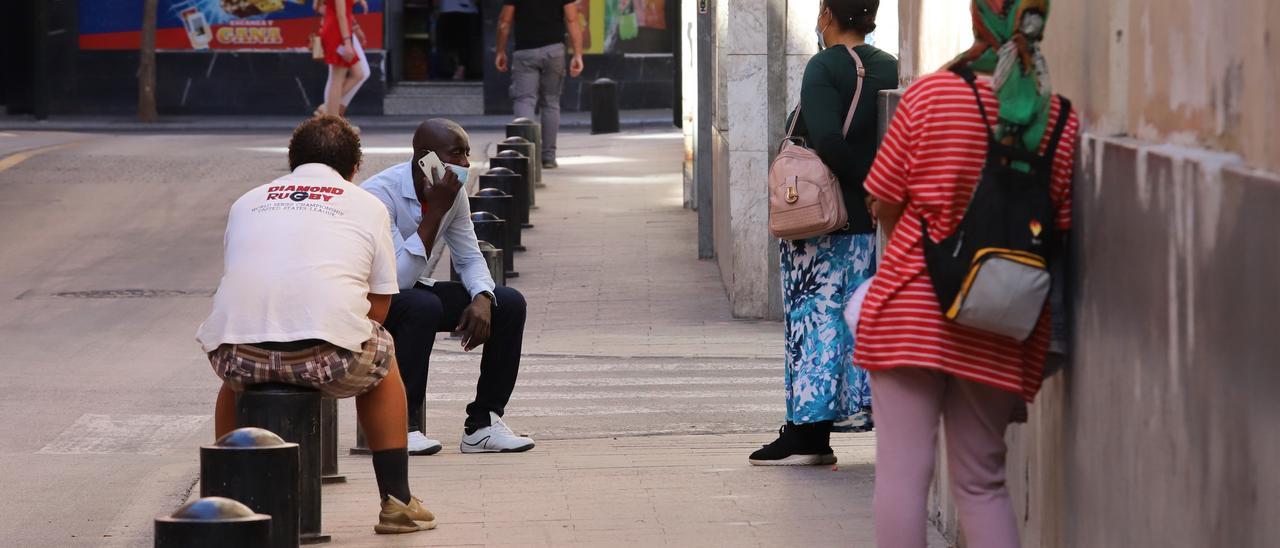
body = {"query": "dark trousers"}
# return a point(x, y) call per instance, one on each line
point(419, 313)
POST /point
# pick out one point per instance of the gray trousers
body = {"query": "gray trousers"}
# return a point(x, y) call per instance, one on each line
point(537, 78)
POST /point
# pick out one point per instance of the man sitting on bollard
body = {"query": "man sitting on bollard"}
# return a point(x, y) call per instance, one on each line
point(484, 314)
point(309, 270)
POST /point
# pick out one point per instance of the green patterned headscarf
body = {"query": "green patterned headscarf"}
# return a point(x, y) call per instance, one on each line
point(1007, 37)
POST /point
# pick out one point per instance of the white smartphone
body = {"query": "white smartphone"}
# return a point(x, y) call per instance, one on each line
point(431, 164)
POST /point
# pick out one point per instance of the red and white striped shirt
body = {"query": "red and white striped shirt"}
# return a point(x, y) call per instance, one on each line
point(930, 160)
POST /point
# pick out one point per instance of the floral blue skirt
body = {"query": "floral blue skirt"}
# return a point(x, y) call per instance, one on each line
point(819, 275)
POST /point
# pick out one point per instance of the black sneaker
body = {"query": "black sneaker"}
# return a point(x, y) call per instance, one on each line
point(550, 164)
point(788, 450)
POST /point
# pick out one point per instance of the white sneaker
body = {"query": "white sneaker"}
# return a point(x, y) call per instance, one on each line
point(420, 444)
point(495, 438)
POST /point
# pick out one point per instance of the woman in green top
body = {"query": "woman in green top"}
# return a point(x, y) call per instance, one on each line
point(820, 274)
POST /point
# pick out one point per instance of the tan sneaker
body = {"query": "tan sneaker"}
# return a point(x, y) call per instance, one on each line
point(397, 517)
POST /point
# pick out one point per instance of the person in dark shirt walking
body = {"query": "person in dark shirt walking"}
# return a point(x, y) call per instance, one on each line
point(537, 63)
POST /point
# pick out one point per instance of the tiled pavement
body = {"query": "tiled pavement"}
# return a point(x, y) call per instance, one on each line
point(630, 348)
point(625, 491)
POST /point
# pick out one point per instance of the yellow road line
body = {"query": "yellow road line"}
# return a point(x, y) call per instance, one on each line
point(17, 158)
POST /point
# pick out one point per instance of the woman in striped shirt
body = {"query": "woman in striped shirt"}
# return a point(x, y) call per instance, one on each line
point(922, 366)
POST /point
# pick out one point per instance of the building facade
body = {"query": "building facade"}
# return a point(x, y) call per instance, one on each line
point(252, 57)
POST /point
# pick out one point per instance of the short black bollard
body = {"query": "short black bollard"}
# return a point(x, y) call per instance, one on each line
point(490, 228)
point(526, 148)
point(493, 257)
point(501, 204)
point(213, 522)
point(292, 412)
point(519, 164)
point(256, 467)
point(604, 107)
point(508, 181)
point(329, 441)
point(493, 260)
point(531, 131)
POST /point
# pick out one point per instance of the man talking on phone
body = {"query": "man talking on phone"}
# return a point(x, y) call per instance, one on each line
point(428, 208)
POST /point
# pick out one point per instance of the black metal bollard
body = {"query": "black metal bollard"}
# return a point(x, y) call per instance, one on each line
point(493, 260)
point(329, 441)
point(531, 131)
point(292, 412)
point(526, 148)
point(508, 181)
point(493, 257)
point(500, 203)
point(256, 467)
point(519, 164)
point(213, 522)
point(490, 228)
point(604, 106)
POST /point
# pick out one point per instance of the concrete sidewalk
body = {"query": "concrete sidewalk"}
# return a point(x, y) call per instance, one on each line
point(630, 119)
point(630, 341)
point(634, 491)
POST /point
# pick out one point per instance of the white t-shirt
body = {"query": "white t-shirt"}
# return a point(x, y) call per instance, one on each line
point(302, 253)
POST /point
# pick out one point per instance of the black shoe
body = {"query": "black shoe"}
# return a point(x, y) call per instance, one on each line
point(549, 164)
point(793, 449)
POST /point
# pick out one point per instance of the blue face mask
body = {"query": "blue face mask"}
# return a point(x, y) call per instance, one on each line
point(460, 171)
point(818, 29)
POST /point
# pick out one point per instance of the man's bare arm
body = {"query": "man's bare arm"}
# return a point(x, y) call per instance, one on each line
point(379, 305)
point(505, 19)
point(575, 37)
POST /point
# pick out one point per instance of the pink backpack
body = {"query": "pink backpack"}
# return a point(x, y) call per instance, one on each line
point(805, 199)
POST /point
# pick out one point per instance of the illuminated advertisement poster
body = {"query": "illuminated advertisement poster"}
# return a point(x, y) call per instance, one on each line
point(215, 24)
point(625, 26)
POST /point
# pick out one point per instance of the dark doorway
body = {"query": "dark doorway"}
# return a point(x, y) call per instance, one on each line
point(442, 40)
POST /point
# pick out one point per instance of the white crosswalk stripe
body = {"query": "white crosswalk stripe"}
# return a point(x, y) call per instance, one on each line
point(580, 396)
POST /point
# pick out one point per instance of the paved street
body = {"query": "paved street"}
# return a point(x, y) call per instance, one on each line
point(643, 392)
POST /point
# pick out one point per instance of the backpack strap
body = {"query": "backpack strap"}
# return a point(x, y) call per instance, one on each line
point(1064, 113)
point(857, 91)
point(795, 119)
point(857, 95)
point(970, 78)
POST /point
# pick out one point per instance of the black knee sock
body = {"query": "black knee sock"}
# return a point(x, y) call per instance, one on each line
point(391, 468)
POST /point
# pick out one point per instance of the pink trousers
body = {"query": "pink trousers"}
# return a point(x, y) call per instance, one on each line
point(908, 402)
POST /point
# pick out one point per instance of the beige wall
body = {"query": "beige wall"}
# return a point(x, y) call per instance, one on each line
point(1186, 72)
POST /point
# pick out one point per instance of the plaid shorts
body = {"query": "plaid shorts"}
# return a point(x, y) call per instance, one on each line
point(334, 371)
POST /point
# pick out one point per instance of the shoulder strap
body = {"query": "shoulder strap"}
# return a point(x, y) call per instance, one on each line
point(970, 78)
point(791, 128)
point(857, 94)
point(1064, 113)
point(857, 91)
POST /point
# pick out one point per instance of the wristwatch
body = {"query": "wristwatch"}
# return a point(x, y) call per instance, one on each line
point(493, 300)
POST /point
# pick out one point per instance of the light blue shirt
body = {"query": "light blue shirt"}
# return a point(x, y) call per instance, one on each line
point(394, 187)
